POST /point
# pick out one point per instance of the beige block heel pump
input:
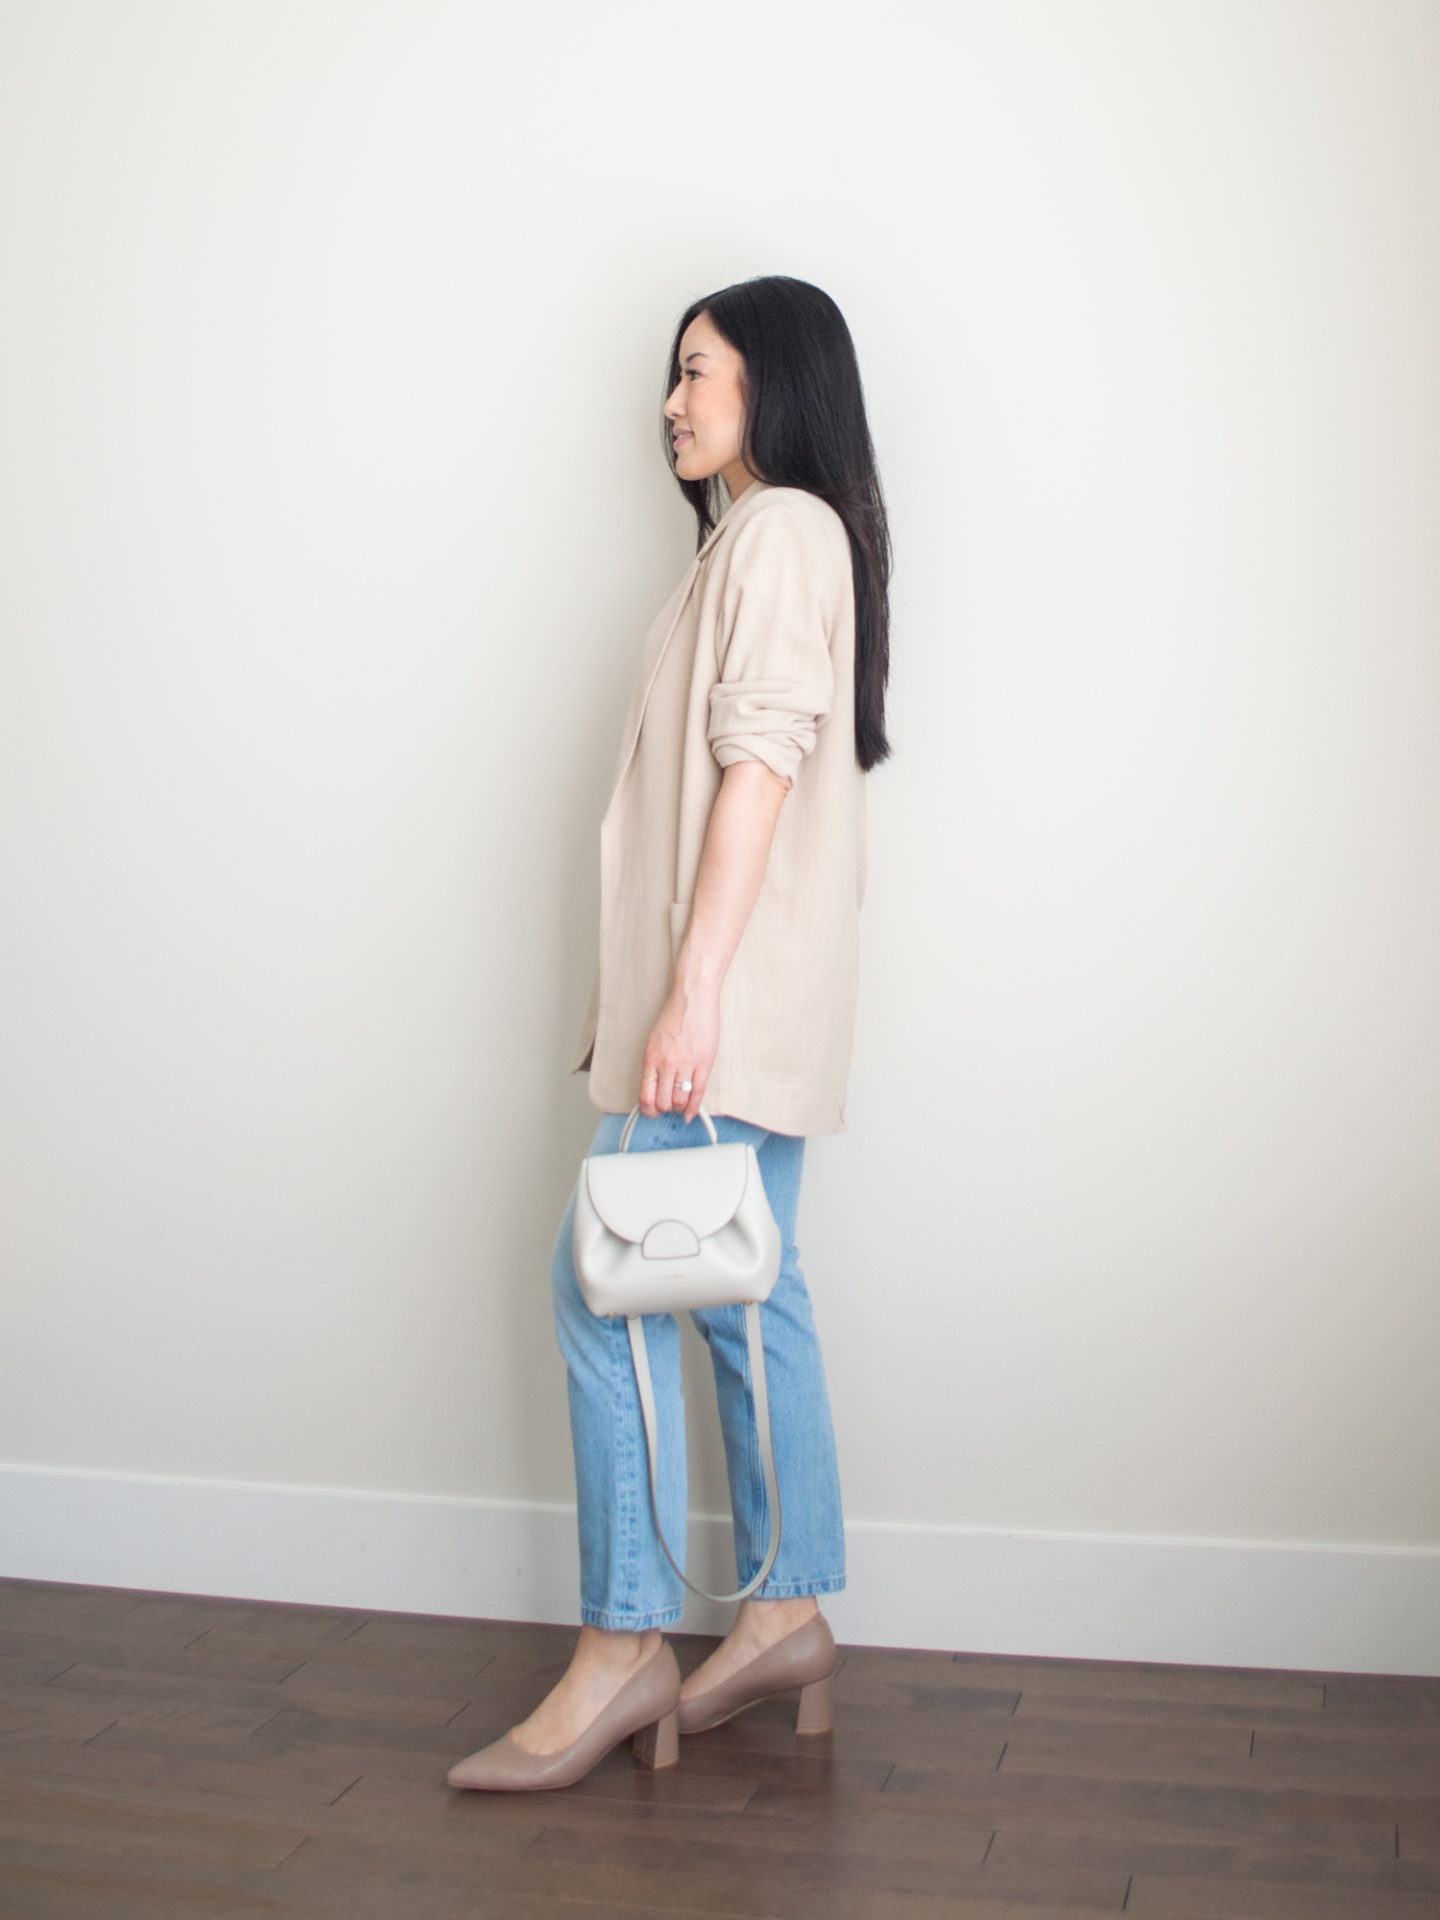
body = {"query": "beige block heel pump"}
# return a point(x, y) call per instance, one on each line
point(806, 1658)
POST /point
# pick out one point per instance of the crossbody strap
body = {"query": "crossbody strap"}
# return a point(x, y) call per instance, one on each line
point(635, 1323)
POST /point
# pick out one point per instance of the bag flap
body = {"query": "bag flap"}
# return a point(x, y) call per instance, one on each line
point(703, 1186)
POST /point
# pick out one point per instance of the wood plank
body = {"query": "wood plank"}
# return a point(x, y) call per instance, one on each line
point(883, 1678)
point(31, 1670)
point(1308, 1861)
point(1396, 1696)
point(1417, 1837)
point(355, 1663)
point(1037, 1800)
point(289, 1693)
point(1183, 1898)
point(87, 1761)
point(454, 1637)
point(901, 1685)
point(1036, 1705)
point(118, 1656)
point(1258, 1802)
point(64, 1892)
point(781, 1871)
point(53, 1814)
point(54, 1707)
point(1346, 1760)
point(480, 1824)
point(41, 1712)
point(1115, 1750)
point(1146, 1680)
point(851, 1834)
point(662, 1879)
point(163, 1618)
point(39, 1622)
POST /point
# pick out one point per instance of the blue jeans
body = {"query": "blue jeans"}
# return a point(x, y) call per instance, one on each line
point(625, 1579)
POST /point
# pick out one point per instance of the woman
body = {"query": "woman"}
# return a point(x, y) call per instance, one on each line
point(732, 870)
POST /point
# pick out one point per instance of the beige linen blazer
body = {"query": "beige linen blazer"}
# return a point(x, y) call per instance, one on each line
point(751, 658)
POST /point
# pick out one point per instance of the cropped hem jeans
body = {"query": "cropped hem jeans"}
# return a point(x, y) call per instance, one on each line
point(626, 1582)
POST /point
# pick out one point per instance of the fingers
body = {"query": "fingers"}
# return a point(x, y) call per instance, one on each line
point(669, 1087)
point(679, 1058)
point(694, 1098)
point(649, 1089)
point(660, 1088)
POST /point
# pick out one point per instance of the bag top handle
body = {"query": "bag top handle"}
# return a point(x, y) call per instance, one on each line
point(635, 1115)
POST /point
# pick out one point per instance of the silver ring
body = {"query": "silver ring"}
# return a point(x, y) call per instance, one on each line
point(686, 1085)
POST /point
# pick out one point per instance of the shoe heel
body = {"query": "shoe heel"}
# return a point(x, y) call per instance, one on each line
point(814, 1715)
point(658, 1745)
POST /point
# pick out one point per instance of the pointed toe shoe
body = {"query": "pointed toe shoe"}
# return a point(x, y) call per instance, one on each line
point(644, 1709)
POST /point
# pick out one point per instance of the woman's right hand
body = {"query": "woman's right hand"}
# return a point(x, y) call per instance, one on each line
point(682, 1046)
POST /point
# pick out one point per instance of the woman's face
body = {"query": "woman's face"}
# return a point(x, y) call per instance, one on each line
point(707, 409)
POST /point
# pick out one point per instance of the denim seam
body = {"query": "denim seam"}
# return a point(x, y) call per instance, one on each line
point(791, 1589)
point(628, 1571)
point(630, 1622)
point(759, 1503)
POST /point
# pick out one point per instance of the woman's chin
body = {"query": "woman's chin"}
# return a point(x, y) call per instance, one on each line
point(690, 467)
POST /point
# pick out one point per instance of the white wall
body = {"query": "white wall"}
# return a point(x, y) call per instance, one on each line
point(333, 515)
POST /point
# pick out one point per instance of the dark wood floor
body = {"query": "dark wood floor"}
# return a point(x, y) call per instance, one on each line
point(165, 1755)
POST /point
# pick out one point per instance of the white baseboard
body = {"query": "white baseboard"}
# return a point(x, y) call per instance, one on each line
point(1086, 1596)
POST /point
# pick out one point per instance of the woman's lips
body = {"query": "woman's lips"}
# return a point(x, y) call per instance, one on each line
point(681, 438)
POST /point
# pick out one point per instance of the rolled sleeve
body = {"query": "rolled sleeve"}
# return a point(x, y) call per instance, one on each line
point(777, 677)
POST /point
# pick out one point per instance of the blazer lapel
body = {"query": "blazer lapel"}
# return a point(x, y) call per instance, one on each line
point(653, 652)
point(666, 621)
point(734, 514)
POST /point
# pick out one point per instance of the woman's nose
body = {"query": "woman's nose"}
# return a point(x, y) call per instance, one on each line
point(673, 408)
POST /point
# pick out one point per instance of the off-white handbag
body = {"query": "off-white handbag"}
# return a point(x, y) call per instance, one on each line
point(679, 1228)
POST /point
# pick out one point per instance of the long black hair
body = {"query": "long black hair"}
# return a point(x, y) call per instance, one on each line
point(805, 426)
